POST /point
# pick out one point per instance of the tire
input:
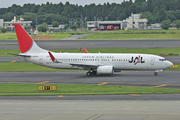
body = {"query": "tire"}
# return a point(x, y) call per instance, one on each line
point(88, 74)
point(155, 74)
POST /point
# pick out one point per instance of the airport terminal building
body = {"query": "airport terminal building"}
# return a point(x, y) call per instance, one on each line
point(134, 22)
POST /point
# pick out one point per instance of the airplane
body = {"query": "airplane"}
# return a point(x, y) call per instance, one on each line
point(94, 63)
point(85, 51)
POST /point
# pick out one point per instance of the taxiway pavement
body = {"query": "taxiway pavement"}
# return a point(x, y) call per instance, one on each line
point(89, 110)
point(76, 44)
point(168, 79)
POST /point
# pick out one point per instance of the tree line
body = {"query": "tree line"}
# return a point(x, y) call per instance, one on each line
point(156, 11)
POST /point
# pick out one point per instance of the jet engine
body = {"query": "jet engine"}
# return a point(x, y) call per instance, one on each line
point(105, 70)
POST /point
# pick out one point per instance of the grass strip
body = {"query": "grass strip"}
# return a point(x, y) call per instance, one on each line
point(74, 89)
point(120, 34)
point(56, 35)
point(131, 36)
point(155, 51)
point(28, 67)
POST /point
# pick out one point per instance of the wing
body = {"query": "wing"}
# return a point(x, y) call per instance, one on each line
point(77, 65)
point(84, 66)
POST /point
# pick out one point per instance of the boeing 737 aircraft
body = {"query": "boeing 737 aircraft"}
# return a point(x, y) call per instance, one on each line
point(94, 63)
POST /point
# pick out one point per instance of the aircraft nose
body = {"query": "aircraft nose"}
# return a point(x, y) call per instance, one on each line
point(169, 64)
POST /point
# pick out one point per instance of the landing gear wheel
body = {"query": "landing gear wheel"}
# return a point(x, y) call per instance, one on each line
point(94, 72)
point(155, 74)
point(88, 73)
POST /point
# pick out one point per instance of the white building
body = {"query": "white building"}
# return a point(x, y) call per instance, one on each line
point(136, 22)
point(156, 26)
point(10, 24)
point(95, 24)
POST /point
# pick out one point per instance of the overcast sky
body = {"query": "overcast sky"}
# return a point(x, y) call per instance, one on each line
point(9, 3)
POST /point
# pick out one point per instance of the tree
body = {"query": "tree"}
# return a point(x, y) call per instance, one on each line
point(74, 27)
point(162, 15)
point(166, 24)
point(42, 27)
point(177, 24)
point(66, 26)
point(55, 24)
point(3, 30)
point(27, 28)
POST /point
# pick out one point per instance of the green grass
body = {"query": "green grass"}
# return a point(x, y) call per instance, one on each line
point(27, 67)
point(8, 36)
point(132, 36)
point(144, 32)
point(155, 51)
point(136, 34)
point(3, 52)
point(120, 34)
point(73, 89)
point(57, 35)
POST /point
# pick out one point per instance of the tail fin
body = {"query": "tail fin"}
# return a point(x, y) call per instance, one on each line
point(26, 43)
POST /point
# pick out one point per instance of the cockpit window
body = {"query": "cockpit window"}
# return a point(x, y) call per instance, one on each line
point(162, 59)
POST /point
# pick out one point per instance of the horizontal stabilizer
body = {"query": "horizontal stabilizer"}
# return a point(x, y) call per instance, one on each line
point(19, 55)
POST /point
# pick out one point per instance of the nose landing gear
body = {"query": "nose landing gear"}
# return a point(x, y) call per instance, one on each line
point(155, 73)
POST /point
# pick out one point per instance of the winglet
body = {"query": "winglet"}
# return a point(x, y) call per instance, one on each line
point(85, 50)
point(53, 58)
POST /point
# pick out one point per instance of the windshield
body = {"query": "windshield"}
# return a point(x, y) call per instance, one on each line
point(162, 59)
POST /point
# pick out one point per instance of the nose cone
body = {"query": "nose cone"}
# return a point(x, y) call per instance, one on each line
point(169, 64)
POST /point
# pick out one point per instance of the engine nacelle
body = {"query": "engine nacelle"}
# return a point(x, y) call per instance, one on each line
point(105, 70)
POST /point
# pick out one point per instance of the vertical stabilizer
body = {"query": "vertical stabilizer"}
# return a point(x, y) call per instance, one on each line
point(26, 43)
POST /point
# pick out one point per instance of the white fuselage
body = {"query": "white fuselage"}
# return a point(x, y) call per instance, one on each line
point(95, 63)
point(118, 61)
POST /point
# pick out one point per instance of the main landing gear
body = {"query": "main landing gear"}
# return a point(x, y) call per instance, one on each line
point(89, 73)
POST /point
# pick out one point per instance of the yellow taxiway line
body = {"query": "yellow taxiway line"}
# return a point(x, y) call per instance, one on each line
point(103, 83)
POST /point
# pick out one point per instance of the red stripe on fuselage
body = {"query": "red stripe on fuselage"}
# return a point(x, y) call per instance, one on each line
point(25, 41)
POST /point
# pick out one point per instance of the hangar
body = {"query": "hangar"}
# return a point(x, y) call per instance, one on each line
point(95, 24)
point(134, 22)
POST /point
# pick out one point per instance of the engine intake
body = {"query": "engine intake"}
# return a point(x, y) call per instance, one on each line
point(105, 70)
